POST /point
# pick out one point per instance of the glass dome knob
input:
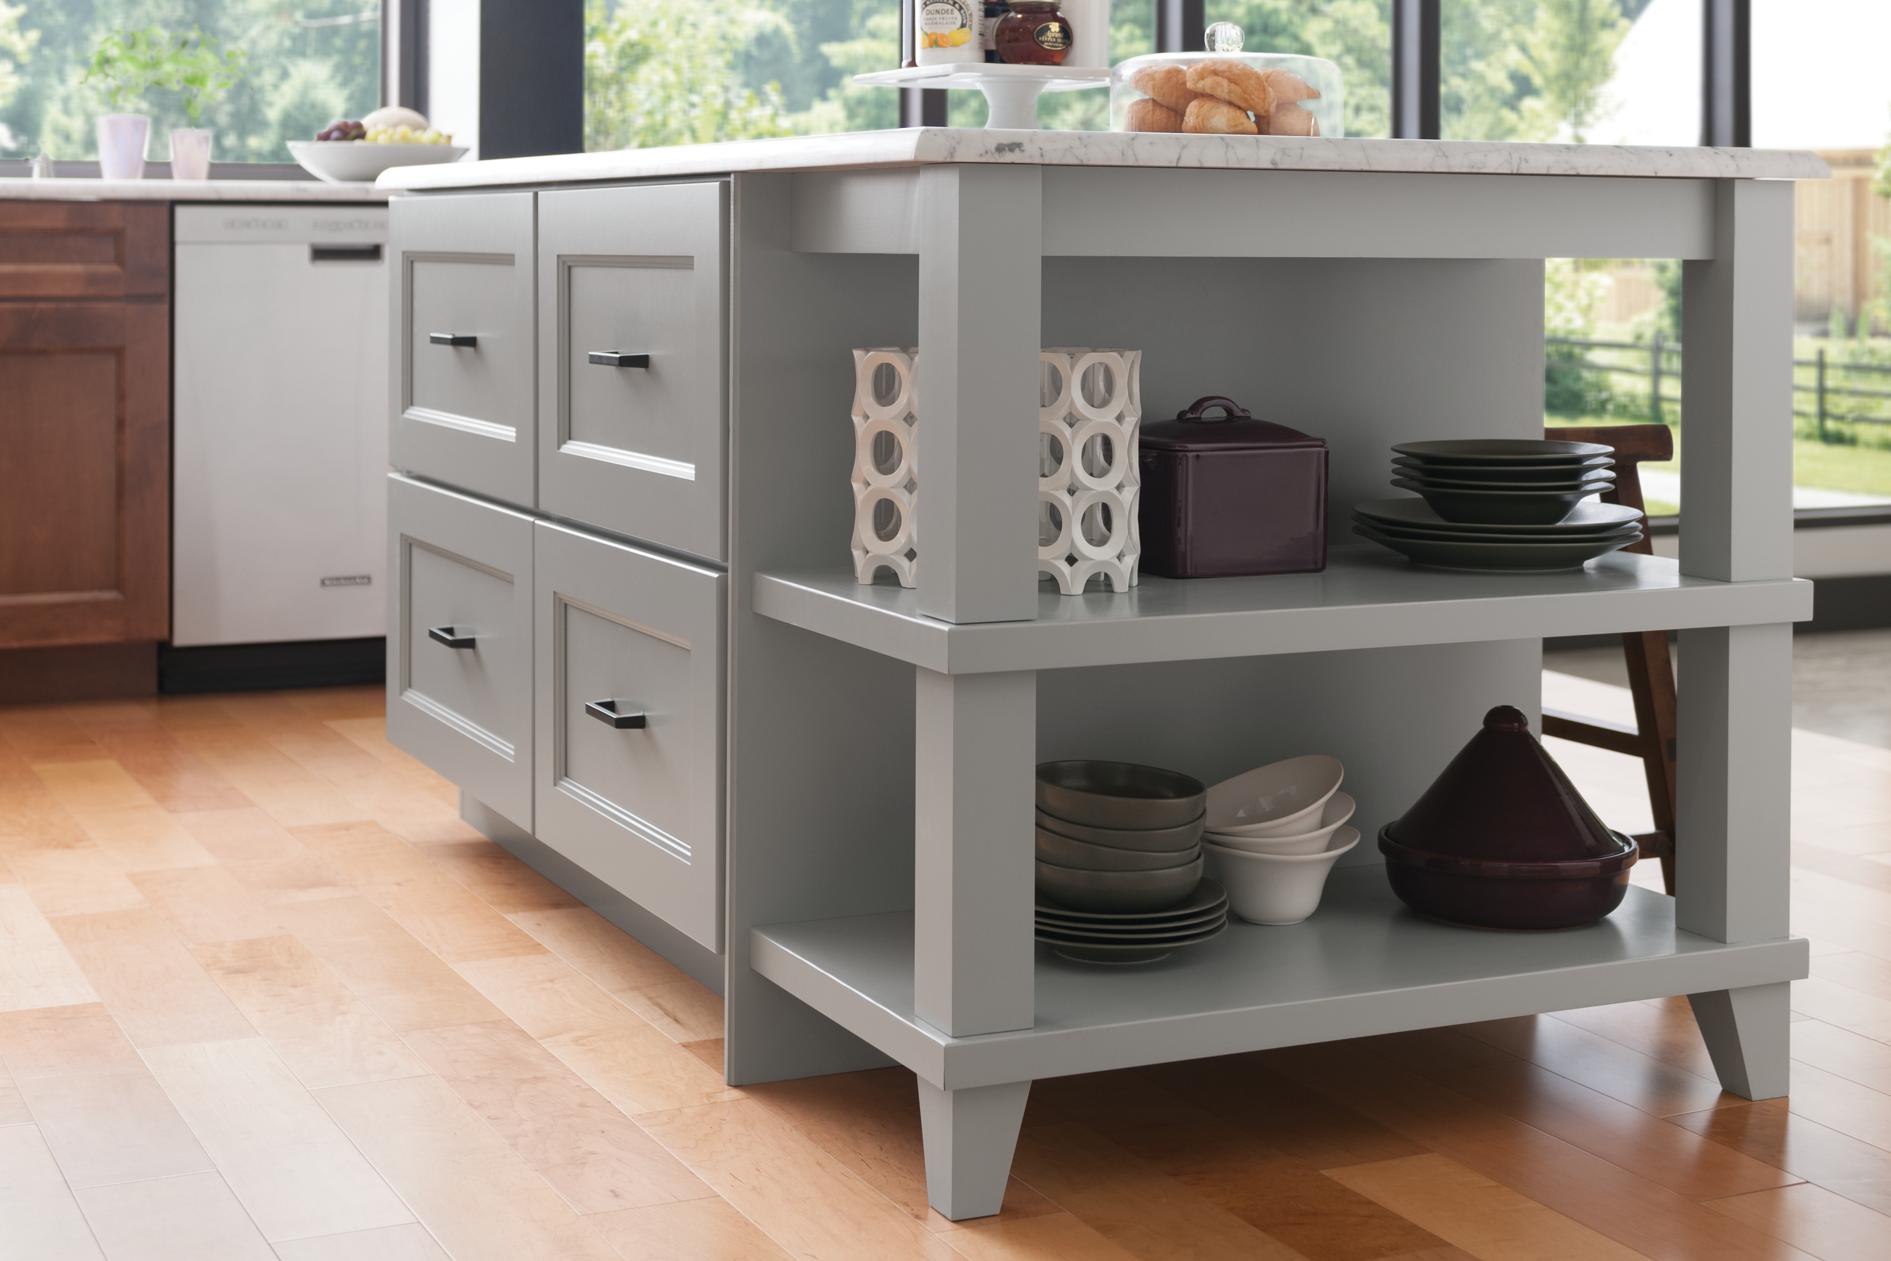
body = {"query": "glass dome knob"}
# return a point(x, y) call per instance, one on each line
point(1222, 37)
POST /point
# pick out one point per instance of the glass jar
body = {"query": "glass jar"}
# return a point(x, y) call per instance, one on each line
point(1033, 33)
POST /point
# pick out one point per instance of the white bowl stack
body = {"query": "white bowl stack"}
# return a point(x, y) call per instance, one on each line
point(1273, 834)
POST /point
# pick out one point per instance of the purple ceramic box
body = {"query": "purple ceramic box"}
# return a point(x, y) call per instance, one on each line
point(1223, 496)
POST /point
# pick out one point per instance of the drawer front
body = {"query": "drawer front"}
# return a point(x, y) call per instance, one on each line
point(629, 685)
point(459, 644)
point(632, 365)
point(463, 325)
point(53, 249)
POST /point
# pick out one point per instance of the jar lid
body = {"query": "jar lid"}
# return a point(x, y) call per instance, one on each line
point(1234, 429)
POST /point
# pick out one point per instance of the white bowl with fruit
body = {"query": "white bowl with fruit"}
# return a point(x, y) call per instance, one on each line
point(355, 152)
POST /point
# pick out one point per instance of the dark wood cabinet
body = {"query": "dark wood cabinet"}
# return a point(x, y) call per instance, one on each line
point(85, 395)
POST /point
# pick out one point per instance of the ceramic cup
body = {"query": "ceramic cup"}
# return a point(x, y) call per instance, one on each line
point(1276, 888)
point(190, 153)
point(121, 144)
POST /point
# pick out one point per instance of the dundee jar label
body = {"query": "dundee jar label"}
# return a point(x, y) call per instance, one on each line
point(945, 23)
point(1053, 36)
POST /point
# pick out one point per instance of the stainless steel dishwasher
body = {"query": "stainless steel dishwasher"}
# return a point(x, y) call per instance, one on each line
point(280, 410)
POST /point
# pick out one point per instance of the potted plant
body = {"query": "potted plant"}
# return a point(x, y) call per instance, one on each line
point(126, 65)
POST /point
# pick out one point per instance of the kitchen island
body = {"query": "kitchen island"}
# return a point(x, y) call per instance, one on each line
point(624, 617)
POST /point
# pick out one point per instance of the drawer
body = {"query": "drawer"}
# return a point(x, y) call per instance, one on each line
point(463, 325)
point(52, 249)
point(632, 366)
point(459, 644)
point(629, 684)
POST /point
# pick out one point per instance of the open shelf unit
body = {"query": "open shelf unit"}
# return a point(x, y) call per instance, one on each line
point(1362, 965)
point(1366, 598)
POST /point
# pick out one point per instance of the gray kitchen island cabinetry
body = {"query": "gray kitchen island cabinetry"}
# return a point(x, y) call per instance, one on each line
point(845, 772)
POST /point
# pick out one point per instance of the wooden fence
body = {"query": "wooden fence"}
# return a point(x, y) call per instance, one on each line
point(1822, 383)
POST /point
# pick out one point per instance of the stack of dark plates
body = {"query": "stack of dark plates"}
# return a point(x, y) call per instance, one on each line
point(1503, 505)
point(1119, 862)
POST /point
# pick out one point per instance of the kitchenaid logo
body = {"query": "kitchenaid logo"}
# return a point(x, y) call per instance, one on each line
point(349, 225)
point(251, 223)
point(349, 580)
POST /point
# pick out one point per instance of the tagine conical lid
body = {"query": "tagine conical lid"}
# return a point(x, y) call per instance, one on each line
point(1503, 797)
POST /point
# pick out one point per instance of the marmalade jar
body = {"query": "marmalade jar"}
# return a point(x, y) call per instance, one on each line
point(1033, 33)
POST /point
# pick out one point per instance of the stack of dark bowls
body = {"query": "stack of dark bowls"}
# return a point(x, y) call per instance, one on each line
point(1119, 862)
point(1505, 505)
point(1502, 839)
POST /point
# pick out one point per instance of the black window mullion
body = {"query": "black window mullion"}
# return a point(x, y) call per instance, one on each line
point(1179, 25)
point(919, 107)
point(1415, 58)
point(1726, 73)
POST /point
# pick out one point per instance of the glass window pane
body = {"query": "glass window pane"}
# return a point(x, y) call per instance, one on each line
point(1595, 71)
point(1842, 282)
point(305, 65)
point(1356, 35)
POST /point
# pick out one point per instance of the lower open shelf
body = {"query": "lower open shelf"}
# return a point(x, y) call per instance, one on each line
point(1363, 965)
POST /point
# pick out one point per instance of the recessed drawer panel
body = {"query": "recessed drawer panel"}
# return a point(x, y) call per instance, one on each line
point(630, 723)
point(463, 315)
point(459, 648)
point(632, 366)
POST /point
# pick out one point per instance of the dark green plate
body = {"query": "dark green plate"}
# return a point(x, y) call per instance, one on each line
point(1573, 470)
point(1503, 450)
point(1593, 482)
point(1499, 507)
point(1497, 558)
point(1588, 518)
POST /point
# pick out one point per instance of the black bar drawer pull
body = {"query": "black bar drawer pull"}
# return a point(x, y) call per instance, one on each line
point(450, 636)
point(453, 339)
point(344, 253)
point(618, 359)
point(607, 713)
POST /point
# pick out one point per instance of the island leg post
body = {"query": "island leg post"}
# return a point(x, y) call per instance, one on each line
point(973, 911)
point(1734, 690)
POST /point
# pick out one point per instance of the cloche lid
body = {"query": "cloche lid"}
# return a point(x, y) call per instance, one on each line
point(1503, 797)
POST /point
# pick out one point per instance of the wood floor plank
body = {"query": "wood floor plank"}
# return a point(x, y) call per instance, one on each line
point(112, 1127)
point(1663, 1031)
point(145, 975)
point(189, 1218)
point(1484, 1218)
point(13, 1109)
point(406, 984)
point(496, 877)
point(38, 1216)
point(1130, 1202)
point(471, 1190)
point(287, 1162)
point(1567, 1049)
point(72, 880)
point(36, 969)
point(1553, 1172)
point(1048, 1236)
point(288, 793)
point(98, 784)
point(143, 838)
point(49, 1041)
point(169, 774)
point(263, 856)
point(325, 1033)
point(1825, 1224)
point(598, 949)
point(689, 1230)
point(390, 1243)
point(1770, 1131)
point(1842, 1104)
point(592, 1154)
point(683, 1011)
point(1843, 1053)
point(604, 1042)
point(795, 1191)
point(206, 904)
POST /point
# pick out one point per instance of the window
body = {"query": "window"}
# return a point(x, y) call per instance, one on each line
point(1356, 35)
point(306, 63)
point(1842, 282)
point(1598, 71)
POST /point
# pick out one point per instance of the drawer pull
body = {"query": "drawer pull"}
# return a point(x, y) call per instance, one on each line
point(449, 636)
point(618, 359)
point(344, 253)
point(453, 339)
point(607, 713)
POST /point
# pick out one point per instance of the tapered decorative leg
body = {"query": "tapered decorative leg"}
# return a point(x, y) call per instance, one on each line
point(970, 1136)
point(1746, 1031)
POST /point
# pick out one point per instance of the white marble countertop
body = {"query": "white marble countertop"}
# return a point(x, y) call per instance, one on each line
point(928, 145)
point(63, 189)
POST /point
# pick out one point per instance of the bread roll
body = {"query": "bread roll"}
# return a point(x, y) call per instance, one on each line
point(1207, 115)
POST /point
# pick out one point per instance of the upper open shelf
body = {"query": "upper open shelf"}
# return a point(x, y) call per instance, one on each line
point(1366, 598)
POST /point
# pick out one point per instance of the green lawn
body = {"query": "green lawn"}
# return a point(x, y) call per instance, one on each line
point(1864, 470)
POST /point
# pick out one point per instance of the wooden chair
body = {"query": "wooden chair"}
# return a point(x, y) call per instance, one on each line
point(1650, 666)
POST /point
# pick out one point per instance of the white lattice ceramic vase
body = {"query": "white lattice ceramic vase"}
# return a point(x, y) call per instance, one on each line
point(1089, 415)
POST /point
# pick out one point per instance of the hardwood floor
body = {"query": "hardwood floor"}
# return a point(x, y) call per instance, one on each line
point(262, 993)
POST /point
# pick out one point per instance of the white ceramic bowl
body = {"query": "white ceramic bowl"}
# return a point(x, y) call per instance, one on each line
point(1276, 888)
point(1337, 812)
point(1279, 799)
point(358, 162)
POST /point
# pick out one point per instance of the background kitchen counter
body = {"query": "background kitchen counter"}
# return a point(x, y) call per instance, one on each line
point(67, 189)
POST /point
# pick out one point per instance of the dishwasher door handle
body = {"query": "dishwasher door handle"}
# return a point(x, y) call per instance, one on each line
point(618, 359)
point(453, 339)
point(344, 253)
point(451, 636)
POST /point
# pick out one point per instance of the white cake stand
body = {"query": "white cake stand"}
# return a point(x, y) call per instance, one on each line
point(1010, 91)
